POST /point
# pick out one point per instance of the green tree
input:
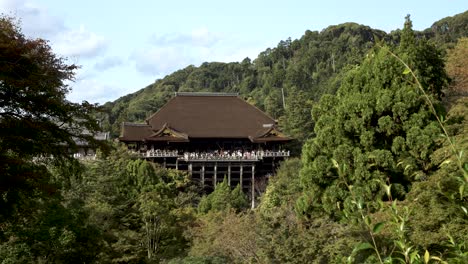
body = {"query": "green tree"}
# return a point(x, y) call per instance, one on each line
point(282, 237)
point(36, 120)
point(226, 235)
point(162, 231)
point(273, 104)
point(141, 209)
point(378, 128)
point(39, 129)
point(297, 121)
point(223, 198)
point(284, 188)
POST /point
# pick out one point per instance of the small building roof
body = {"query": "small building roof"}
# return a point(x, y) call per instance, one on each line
point(135, 132)
point(204, 115)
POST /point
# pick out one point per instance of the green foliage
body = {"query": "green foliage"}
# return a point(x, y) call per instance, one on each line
point(36, 120)
point(142, 208)
point(238, 198)
point(378, 128)
point(284, 188)
point(297, 121)
point(198, 260)
point(283, 238)
point(447, 31)
point(427, 218)
point(456, 68)
point(437, 204)
point(223, 198)
point(39, 129)
point(377, 139)
point(46, 231)
point(226, 235)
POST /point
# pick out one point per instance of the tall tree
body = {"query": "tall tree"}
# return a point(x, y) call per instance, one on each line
point(378, 128)
point(141, 209)
point(39, 128)
point(297, 121)
point(36, 120)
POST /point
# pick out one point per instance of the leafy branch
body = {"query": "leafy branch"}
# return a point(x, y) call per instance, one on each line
point(458, 154)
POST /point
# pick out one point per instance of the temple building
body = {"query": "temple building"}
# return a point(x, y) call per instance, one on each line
point(212, 136)
point(85, 150)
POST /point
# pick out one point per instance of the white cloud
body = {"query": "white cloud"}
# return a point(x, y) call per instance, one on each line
point(238, 53)
point(159, 61)
point(35, 20)
point(93, 91)
point(108, 63)
point(200, 37)
point(8, 4)
point(79, 43)
point(169, 53)
point(75, 43)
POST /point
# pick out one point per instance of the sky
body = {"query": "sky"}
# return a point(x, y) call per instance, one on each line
point(122, 46)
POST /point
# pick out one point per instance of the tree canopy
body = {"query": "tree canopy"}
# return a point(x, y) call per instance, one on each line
point(36, 120)
point(377, 129)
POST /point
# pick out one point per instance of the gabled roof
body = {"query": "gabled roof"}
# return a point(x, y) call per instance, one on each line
point(268, 135)
point(204, 115)
point(166, 133)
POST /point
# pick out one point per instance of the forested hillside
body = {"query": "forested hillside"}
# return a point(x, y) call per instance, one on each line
point(381, 174)
point(305, 68)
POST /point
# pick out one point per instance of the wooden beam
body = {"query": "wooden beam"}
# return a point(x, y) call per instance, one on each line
point(229, 173)
point(215, 176)
point(203, 175)
point(253, 186)
point(240, 176)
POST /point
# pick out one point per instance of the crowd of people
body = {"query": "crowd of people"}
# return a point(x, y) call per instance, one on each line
point(162, 153)
point(219, 155)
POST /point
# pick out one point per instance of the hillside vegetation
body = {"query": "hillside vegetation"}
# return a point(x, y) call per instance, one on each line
point(305, 68)
point(381, 173)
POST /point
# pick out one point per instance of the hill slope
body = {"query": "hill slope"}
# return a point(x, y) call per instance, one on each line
point(309, 67)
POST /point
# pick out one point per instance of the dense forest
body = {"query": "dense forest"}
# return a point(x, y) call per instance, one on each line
point(379, 174)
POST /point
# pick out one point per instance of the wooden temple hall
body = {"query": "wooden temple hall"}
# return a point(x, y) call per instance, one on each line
point(212, 136)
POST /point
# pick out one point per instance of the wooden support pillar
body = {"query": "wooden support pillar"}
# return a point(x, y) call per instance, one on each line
point(203, 175)
point(240, 175)
point(253, 186)
point(215, 175)
point(190, 170)
point(177, 164)
point(229, 173)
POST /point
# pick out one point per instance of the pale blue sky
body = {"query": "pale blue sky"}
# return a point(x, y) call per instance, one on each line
point(123, 46)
